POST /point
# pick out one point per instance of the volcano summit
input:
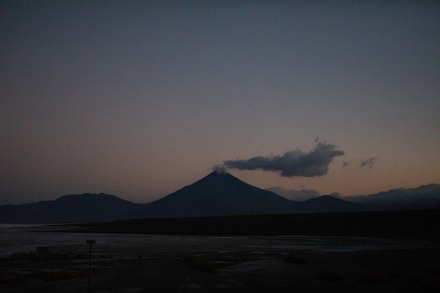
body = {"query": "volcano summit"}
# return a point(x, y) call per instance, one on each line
point(219, 194)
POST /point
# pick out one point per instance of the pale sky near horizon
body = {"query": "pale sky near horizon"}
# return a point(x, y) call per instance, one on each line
point(140, 98)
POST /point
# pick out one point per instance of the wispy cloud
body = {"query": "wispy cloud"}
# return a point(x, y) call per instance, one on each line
point(296, 195)
point(369, 163)
point(293, 163)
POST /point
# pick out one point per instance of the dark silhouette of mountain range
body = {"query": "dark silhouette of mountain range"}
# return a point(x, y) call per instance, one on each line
point(425, 196)
point(327, 203)
point(72, 208)
point(217, 194)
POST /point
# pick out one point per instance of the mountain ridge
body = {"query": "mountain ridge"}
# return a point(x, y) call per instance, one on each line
point(216, 194)
point(399, 195)
point(327, 203)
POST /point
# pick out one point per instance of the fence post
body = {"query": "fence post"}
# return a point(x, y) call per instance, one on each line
point(90, 242)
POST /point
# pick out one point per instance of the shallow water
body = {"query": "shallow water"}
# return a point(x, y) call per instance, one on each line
point(26, 238)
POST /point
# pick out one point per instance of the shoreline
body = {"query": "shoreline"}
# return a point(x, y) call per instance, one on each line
point(413, 224)
point(227, 262)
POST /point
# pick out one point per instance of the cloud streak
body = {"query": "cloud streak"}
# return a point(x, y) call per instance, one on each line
point(369, 163)
point(294, 163)
point(296, 195)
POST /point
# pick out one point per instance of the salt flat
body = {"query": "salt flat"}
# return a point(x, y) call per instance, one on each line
point(157, 263)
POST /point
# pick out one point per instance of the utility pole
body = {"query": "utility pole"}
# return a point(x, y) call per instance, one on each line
point(90, 242)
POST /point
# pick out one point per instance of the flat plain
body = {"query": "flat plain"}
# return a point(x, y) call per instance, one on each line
point(217, 262)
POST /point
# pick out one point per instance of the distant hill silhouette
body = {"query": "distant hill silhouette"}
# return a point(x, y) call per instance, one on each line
point(70, 209)
point(217, 194)
point(327, 203)
point(425, 196)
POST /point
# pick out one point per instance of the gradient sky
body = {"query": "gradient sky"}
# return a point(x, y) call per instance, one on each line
point(139, 98)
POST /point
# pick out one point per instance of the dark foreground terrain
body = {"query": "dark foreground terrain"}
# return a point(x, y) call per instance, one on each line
point(360, 252)
point(413, 224)
point(389, 270)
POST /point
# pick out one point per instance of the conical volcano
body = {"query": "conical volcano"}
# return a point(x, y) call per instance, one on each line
point(218, 194)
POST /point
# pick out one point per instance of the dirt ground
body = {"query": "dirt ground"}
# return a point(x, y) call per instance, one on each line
point(396, 270)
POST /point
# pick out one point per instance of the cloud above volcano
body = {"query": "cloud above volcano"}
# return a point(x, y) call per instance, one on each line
point(295, 163)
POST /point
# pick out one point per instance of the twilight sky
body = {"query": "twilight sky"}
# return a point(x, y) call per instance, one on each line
point(139, 98)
